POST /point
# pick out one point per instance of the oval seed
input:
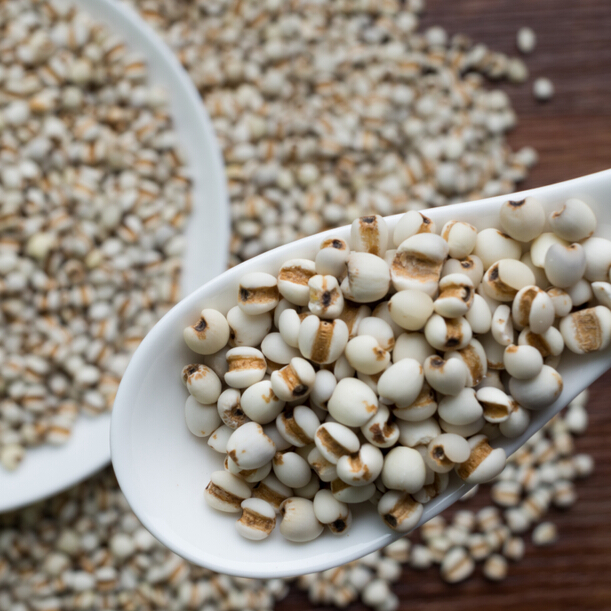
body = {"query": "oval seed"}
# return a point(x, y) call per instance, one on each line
point(381, 430)
point(587, 330)
point(539, 246)
point(412, 345)
point(516, 423)
point(522, 362)
point(446, 334)
point(299, 521)
point(291, 469)
point(446, 450)
point(288, 326)
point(352, 315)
point(413, 434)
point(249, 447)
point(230, 410)
point(410, 309)
point(522, 220)
point(366, 355)
point(226, 492)
point(245, 367)
point(455, 298)
point(325, 470)
point(401, 383)
point(580, 293)
point(271, 490)
point(403, 469)
point(326, 298)
point(549, 343)
point(505, 278)
point(258, 293)
point(361, 468)
point(532, 307)
point(209, 334)
point(369, 234)
point(218, 439)
point(352, 494)
point(352, 403)
point(460, 237)
point(298, 425)
point(378, 328)
point(418, 262)
point(368, 278)
point(324, 385)
point(574, 222)
point(562, 302)
point(410, 224)
point(493, 245)
point(538, 392)
point(247, 330)
point(565, 265)
point(470, 266)
point(399, 511)
point(277, 352)
point(448, 377)
point(260, 403)
point(202, 420)
point(335, 514)
point(423, 407)
point(202, 383)
point(457, 565)
point(496, 404)
point(501, 326)
point(334, 440)
point(332, 257)
point(294, 381)
point(322, 341)
point(461, 409)
point(248, 475)
point(483, 464)
point(257, 521)
point(293, 278)
point(474, 357)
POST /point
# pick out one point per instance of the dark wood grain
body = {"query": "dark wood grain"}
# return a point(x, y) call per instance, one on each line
point(572, 134)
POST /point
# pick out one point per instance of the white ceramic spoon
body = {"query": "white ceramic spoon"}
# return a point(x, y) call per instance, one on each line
point(163, 469)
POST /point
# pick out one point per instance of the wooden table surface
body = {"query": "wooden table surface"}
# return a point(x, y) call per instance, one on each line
point(572, 134)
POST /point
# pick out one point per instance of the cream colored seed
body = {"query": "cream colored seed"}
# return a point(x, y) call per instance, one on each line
point(368, 278)
point(369, 234)
point(294, 381)
point(258, 519)
point(208, 335)
point(410, 224)
point(258, 293)
point(523, 220)
point(399, 511)
point(505, 278)
point(326, 298)
point(457, 565)
point(545, 533)
point(456, 292)
point(460, 237)
point(418, 262)
point(332, 257)
point(299, 522)
point(587, 330)
point(575, 221)
point(495, 568)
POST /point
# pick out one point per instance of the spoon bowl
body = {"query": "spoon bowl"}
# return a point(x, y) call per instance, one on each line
point(163, 469)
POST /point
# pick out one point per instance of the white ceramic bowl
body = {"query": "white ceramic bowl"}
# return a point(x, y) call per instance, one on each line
point(47, 470)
